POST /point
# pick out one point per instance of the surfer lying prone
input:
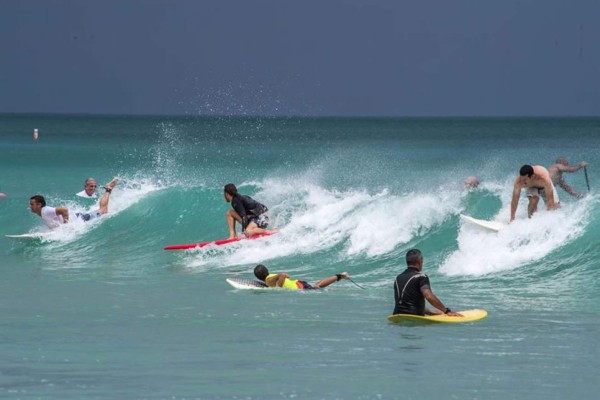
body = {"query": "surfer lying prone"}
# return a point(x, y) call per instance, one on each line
point(283, 280)
point(55, 216)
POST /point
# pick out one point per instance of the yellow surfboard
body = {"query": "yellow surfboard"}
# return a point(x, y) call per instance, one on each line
point(468, 316)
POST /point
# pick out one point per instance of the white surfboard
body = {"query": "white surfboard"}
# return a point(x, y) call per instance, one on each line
point(489, 225)
point(27, 237)
point(244, 284)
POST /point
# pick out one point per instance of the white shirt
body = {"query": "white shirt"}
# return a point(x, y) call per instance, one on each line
point(50, 218)
point(85, 195)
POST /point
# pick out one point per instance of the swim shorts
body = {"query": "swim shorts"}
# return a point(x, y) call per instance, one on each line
point(89, 215)
point(536, 192)
point(262, 221)
point(303, 285)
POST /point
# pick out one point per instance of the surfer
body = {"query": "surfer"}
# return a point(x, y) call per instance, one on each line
point(251, 214)
point(55, 216)
point(471, 182)
point(411, 288)
point(283, 280)
point(536, 180)
point(89, 189)
point(556, 174)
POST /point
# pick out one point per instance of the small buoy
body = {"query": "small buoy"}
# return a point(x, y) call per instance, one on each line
point(35, 134)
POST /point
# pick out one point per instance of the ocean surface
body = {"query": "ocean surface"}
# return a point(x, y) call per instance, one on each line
point(99, 310)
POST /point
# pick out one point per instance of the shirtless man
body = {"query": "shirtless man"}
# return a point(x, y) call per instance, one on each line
point(556, 174)
point(55, 216)
point(536, 180)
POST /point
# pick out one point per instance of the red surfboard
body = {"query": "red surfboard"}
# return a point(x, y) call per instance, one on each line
point(216, 242)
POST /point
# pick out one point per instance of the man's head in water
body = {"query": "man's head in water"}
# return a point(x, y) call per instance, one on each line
point(229, 191)
point(90, 186)
point(471, 182)
point(261, 272)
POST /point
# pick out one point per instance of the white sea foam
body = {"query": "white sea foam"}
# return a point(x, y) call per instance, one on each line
point(312, 219)
point(524, 241)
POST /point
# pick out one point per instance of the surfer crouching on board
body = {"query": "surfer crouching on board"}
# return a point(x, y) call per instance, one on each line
point(55, 216)
point(251, 214)
point(283, 280)
point(536, 180)
point(411, 288)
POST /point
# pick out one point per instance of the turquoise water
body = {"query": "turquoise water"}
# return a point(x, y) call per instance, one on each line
point(99, 310)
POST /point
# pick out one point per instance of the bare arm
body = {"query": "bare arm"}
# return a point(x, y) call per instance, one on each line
point(571, 168)
point(434, 301)
point(515, 199)
point(64, 212)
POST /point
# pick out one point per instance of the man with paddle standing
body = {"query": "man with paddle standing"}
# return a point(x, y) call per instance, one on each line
point(536, 180)
point(251, 214)
point(556, 174)
point(411, 288)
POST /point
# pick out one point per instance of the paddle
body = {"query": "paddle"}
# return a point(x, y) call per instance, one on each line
point(587, 182)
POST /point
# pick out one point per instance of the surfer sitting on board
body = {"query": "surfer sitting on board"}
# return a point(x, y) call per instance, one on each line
point(54, 216)
point(536, 180)
point(251, 214)
point(283, 280)
point(556, 174)
point(411, 288)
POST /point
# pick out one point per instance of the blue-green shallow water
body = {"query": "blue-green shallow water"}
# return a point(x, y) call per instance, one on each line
point(101, 311)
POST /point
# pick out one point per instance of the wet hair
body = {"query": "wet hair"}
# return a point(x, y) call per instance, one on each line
point(39, 199)
point(413, 256)
point(562, 160)
point(88, 180)
point(230, 189)
point(261, 272)
point(526, 170)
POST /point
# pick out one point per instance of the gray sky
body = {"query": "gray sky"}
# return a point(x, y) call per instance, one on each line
point(278, 57)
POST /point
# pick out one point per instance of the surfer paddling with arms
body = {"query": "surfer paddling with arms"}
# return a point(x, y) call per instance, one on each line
point(282, 280)
point(412, 287)
point(536, 180)
point(556, 174)
point(55, 216)
point(251, 214)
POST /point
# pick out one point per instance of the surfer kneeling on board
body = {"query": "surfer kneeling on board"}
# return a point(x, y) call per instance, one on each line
point(411, 288)
point(251, 214)
point(283, 280)
point(536, 180)
point(55, 216)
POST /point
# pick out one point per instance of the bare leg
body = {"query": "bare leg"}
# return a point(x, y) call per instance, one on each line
point(328, 281)
point(106, 196)
point(252, 229)
point(532, 207)
point(232, 216)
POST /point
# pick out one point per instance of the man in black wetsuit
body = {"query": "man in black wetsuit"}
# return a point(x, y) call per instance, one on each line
point(251, 214)
point(412, 288)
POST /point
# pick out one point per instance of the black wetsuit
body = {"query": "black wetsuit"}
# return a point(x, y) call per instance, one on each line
point(247, 208)
point(408, 292)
